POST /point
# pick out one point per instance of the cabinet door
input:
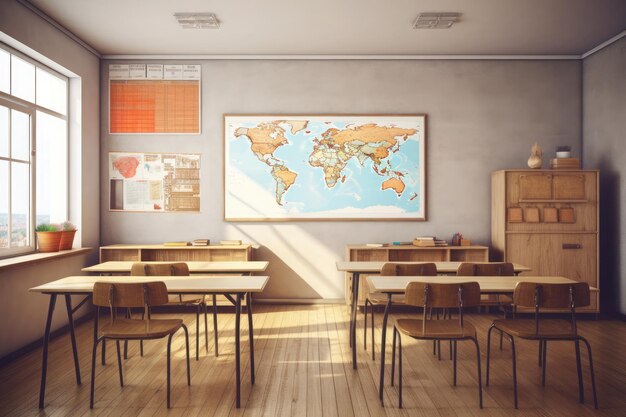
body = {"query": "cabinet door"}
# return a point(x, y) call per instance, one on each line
point(571, 255)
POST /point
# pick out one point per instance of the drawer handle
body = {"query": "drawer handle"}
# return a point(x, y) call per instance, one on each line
point(572, 246)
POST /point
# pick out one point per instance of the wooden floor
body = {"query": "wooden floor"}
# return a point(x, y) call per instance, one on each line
point(304, 369)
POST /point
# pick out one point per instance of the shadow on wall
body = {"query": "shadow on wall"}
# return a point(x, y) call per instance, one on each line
point(610, 240)
point(284, 281)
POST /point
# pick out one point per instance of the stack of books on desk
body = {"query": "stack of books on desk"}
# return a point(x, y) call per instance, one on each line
point(176, 244)
point(230, 242)
point(565, 163)
point(424, 241)
point(200, 242)
point(429, 241)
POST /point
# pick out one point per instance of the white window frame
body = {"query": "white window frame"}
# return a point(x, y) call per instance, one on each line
point(31, 108)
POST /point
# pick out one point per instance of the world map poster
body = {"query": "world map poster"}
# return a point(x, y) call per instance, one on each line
point(156, 182)
point(336, 167)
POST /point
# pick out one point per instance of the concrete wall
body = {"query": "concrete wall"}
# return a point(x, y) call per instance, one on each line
point(482, 116)
point(604, 133)
point(23, 314)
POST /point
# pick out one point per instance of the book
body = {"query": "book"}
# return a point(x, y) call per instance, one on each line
point(400, 243)
point(176, 244)
point(200, 242)
point(424, 242)
point(230, 242)
point(374, 245)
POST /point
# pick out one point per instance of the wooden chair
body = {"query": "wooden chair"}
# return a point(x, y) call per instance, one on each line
point(433, 295)
point(181, 269)
point(547, 296)
point(131, 295)
point(374, 299)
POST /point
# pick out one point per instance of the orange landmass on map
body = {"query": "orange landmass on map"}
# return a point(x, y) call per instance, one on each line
point(395, 184)
point(371, 133)
point(127, 166)
point(288, 177)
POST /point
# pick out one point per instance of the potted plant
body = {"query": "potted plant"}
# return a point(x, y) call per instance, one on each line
point(48, 237)
point(68, 230)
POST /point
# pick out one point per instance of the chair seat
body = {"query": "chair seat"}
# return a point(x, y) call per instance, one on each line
point(525, 328)
point(435, 329)
point(381, 299)
point(135, 328)
point(186, 299)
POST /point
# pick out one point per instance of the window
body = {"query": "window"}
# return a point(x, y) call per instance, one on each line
point(33, 150)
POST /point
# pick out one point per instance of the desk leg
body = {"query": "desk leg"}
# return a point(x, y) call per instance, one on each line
point(237, 351)
point(46, 342)
point(355, 297)
point(383, 342)
point(70, 319)
point(250, 336)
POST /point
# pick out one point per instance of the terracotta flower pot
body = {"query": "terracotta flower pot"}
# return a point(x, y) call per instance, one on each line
point(48, 241)
point(67, 239)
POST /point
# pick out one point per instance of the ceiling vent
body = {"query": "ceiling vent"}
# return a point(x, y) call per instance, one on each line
point(435, 20)
point(197, 20)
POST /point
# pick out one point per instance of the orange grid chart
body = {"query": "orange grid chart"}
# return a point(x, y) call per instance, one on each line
point(154, 106)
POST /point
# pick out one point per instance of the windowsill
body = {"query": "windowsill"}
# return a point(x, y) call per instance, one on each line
point(34, 258)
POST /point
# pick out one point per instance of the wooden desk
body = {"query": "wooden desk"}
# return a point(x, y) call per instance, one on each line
point(356, 268)
point(229, 286)
point(195, 267)
point(488, 285)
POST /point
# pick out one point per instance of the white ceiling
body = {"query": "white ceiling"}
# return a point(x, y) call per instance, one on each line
point(342, 27)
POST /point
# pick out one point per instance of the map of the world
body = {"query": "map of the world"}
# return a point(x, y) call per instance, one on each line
point(324, 167)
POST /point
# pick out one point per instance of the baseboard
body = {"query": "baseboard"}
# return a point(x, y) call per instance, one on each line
point(39, 342)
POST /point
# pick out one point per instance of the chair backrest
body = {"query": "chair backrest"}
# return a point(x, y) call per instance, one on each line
point(167, 269)
point(129, 295)
point(397, 269)
point(533, 295)
point(486, 269)
point(438, 295)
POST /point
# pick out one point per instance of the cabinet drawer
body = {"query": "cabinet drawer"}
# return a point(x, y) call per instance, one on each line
point(571, 255)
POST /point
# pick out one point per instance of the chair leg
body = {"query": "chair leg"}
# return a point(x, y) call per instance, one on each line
point(143, 313)
point(104, 351)
point(581, 389)
point(119, 362)
point(169, 349)
point(593, 378)
point(400, 369)
point(197, 330)
point(93, 370)
point(439, 349)
point(501, 337)
point(393, 355)
point(480, 384)
point(453, 352)
point(365, 324)
point(489, 352)
point(434, 347)
point(373, 346)
point(187, 352)
point(215, 324)
point(544, 356)
point(206, 328)
point(540, 353)
point(514, 371)
point(450, 349)
point(128, 316)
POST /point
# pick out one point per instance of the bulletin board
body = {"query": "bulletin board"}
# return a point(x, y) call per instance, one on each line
point(154, 98)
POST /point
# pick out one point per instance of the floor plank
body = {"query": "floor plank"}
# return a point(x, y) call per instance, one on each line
point(304, 368)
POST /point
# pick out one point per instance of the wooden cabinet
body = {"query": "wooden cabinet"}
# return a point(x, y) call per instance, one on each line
point(175, 253)
point(407, 253)
point(548, 221)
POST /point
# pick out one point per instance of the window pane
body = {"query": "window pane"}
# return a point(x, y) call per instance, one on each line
point(4, 131)
point(20, 135)
point(20, 204)
point(51, 91)
point(22, 79)
point(4, 204)
point(51, 168)
point(5, 72)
